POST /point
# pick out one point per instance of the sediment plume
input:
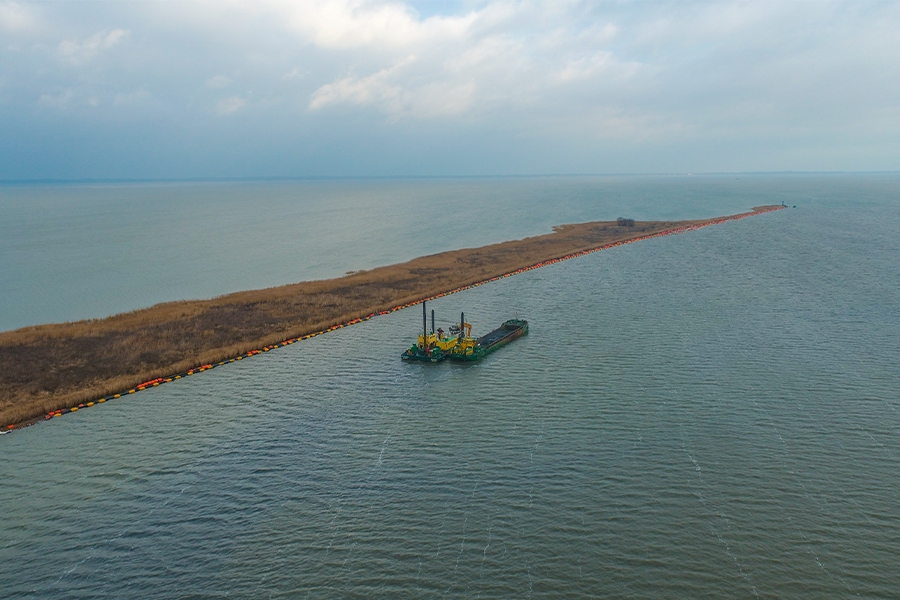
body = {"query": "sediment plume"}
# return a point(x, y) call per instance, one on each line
point(49, 370)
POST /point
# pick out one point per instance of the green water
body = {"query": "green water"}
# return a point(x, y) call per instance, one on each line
point(713, 414)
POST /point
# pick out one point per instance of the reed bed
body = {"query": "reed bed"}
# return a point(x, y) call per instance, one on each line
point(50, 367)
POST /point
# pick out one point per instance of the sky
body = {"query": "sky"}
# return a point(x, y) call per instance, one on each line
point(331, 88)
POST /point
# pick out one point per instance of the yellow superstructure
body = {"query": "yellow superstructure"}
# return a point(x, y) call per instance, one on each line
point(465, 346)
point(433, 341)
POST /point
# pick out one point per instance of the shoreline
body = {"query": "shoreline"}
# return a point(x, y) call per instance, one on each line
point(55, 369)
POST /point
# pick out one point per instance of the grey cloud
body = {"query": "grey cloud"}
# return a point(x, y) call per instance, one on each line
point(286, 88)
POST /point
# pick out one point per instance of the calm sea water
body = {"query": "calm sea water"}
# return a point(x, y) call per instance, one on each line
point(87, 251)
point(713, 414)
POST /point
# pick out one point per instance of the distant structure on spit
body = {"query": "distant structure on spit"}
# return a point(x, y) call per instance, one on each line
point(622, 222)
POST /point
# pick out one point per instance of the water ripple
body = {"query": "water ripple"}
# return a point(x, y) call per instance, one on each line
point(712, 414)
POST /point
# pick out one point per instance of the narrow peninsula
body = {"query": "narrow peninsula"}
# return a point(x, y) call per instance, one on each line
point(57, 367)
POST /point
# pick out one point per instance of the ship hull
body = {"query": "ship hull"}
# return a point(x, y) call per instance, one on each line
point(416, 354)
point(509, 331)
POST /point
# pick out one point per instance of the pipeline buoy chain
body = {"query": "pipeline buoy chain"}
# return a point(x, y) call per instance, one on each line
point(161, 380)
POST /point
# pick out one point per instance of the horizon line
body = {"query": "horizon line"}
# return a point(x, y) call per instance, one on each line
point(90, 180)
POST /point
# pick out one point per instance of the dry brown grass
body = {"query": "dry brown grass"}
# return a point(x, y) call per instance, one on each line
point(49, 367)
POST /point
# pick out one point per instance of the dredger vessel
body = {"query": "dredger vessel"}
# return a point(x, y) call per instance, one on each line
point(430, 347)
point(460, 345)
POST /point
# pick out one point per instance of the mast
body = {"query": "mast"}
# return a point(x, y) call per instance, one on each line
point(432, 320)
point(424, 326)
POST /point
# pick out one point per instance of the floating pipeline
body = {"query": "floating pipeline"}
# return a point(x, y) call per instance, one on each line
point(161, 380)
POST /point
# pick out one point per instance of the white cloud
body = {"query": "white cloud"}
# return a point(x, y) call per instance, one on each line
point(218, 82)
point(434, 99)
point(295, 73)
point(442, 99)
point(80, 51)
point(599, 67)
point(374, 89)
point(15, 17)
point(360, 23)
point(59, 100)
point(232, 104)
point(642, 73)
point(505, 58)
point(585, 66)
point(68, 99)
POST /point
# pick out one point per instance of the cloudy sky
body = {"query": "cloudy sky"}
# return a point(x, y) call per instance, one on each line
point(369, 87)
